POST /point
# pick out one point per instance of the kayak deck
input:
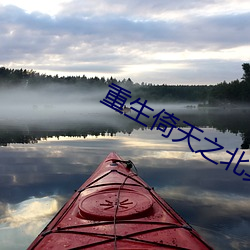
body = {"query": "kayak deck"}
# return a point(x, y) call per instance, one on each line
point(116, 209)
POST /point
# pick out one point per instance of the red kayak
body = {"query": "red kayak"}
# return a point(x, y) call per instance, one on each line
point(116, 209)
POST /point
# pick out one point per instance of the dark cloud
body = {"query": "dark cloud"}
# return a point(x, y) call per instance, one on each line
point(110, 39)
point(205, 30)
point(225, 31)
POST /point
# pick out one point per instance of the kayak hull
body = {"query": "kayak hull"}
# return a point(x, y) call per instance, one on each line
point(116, 209)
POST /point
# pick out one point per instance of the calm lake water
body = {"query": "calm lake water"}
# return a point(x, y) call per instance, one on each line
point(44, 158)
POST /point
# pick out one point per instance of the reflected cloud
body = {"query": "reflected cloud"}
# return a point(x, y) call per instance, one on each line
point(226, 215)
point(22, 222)
point(228, 203)
point(29, 212)
point(205, 194)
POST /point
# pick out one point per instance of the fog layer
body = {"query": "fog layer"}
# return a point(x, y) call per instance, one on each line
point(49, 103)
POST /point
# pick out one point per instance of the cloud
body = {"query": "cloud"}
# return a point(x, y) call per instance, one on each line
point(122, 30)
point(45, 32)
point(123, 40)
point(29, 210)
point(141, 10)
point(26, 220)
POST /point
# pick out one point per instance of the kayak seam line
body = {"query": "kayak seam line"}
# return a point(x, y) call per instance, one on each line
point(44, 232)
point(166, 208)
point(120, 222)
point(192, 231)
point(99, 178)
point(114, 170)
point(110, 184)
point(62, 230)
point(128, 237)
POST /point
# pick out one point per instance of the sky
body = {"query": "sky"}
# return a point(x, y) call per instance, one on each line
point(159, 42)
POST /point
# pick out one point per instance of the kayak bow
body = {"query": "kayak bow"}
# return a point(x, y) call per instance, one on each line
point(116, 209)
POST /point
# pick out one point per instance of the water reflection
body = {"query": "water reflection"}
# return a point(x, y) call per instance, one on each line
point(21, 221)
point(215, 201)
point(110, 122)
point(31, 210)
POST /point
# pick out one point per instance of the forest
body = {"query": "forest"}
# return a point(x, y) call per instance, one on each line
point(224, 93)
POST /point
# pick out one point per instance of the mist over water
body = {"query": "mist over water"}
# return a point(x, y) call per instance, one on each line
point(61, 97)
point(51, 103)
point(59, 105)
point(57, 109)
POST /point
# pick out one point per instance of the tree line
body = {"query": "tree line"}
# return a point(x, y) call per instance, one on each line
point(236, 91)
